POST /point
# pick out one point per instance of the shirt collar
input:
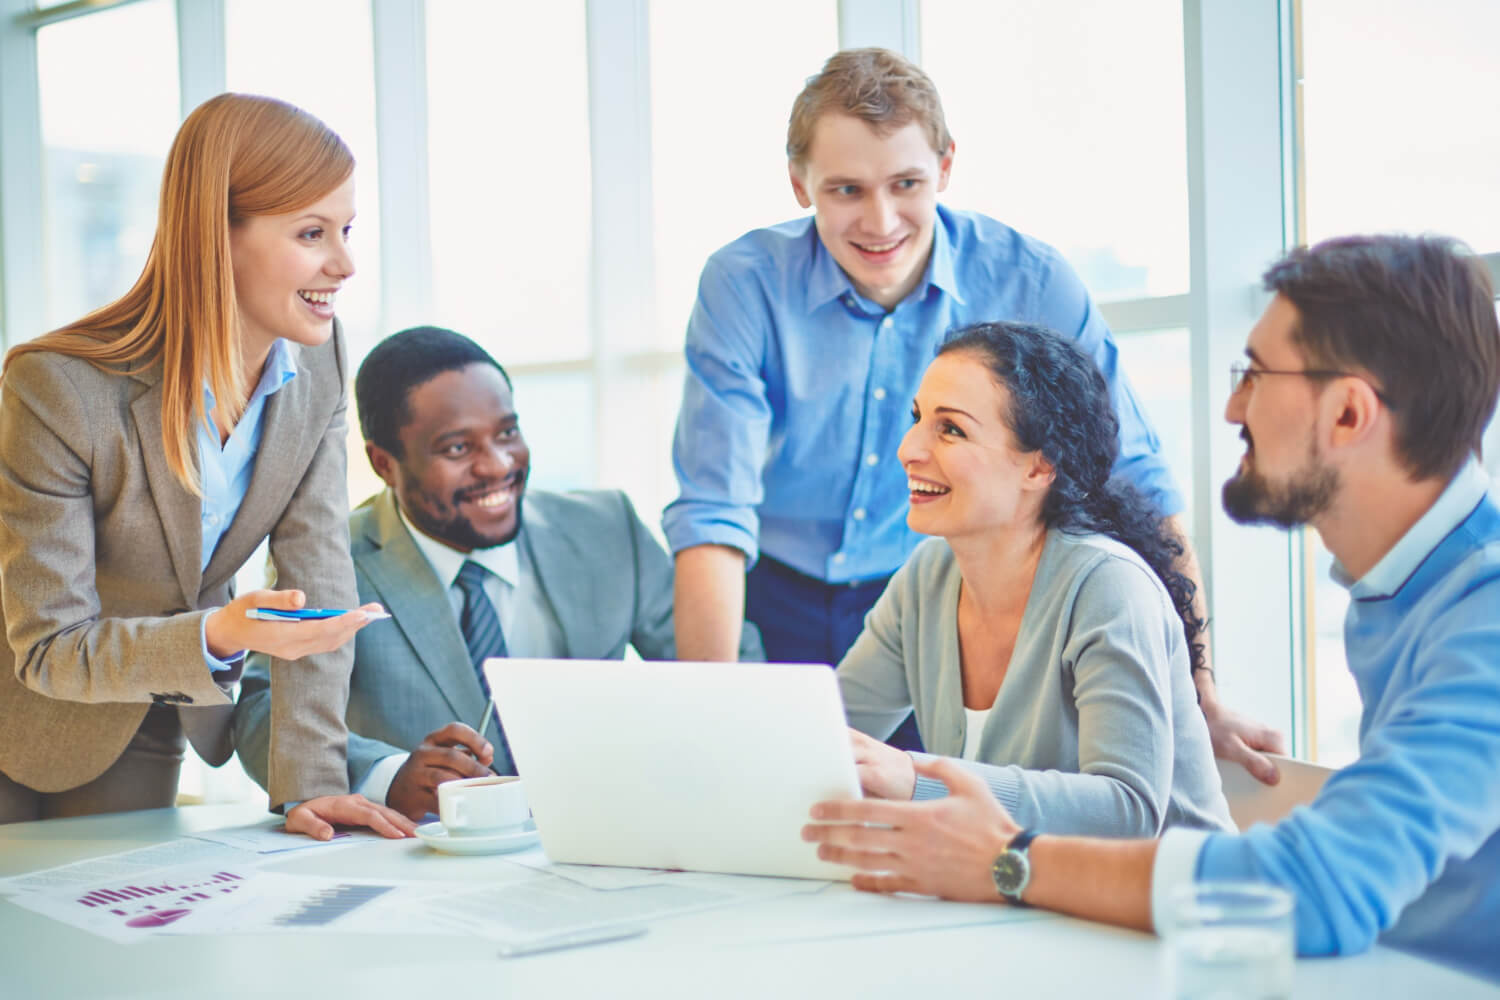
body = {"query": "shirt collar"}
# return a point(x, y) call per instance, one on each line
point(1455, 504)
point(940, 266)
point(279, 369)
point(828, 281)
point(446, 561)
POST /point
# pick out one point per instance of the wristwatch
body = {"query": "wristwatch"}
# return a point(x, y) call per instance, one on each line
point(1012, 869)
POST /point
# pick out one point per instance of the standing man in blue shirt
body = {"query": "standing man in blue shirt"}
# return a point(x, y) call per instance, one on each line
point(1367, 385)
point(804, 351)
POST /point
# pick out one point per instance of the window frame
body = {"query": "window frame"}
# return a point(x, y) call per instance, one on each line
point(1243, 212)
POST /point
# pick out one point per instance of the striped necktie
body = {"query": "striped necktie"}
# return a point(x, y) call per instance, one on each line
point(484, 638)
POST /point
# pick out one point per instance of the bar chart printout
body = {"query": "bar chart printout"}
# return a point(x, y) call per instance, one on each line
point(128, 910)
point(326, 905)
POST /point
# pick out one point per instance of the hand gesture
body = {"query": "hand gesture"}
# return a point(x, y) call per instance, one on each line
point(455, 751)
point(940, 847)
point(229, 632)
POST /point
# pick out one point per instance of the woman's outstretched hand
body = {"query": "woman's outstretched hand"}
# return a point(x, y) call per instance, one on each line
point(229, 632)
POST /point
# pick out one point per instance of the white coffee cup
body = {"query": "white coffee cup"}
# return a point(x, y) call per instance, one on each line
point(488, 805)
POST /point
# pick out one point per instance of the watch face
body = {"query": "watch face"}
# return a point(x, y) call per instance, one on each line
point(1010, 871)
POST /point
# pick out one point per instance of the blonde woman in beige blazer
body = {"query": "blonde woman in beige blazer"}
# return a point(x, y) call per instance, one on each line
point(122, 633)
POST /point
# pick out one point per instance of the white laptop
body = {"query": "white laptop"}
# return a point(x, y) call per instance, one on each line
point(698, 766)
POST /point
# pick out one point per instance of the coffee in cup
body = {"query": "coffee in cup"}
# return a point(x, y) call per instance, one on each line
point(483, 806)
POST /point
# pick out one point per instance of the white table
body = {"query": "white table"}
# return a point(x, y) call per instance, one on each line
point(757, 950)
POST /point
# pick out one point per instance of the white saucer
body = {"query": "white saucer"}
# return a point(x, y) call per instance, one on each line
point(437, 837)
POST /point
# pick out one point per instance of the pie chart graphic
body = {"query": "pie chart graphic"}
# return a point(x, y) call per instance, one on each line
point(157, 918)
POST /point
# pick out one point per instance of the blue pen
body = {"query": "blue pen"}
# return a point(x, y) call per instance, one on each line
point(304, 614)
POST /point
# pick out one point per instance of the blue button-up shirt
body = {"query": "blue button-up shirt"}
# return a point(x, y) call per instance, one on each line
point(799, 390)
point(225, 469)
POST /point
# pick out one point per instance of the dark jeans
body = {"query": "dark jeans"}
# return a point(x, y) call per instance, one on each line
point(803, 620)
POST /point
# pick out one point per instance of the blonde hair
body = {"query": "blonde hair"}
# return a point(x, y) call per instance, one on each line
point(236, 156)
point(878, 87)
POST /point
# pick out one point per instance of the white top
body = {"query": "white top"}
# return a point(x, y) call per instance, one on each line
point(974, 720)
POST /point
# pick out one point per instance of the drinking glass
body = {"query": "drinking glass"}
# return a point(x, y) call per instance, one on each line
point(1230, 941)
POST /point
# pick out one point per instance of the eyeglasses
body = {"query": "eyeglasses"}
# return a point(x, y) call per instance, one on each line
point(1240, 374)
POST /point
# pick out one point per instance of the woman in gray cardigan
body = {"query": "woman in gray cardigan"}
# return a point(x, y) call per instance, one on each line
point(1044, 636)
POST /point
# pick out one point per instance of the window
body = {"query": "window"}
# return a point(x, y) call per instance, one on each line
point(1399, 130)
point(1159, 366)
point(509, 178)
point(723, 79)
point(1401, 118)
point(320, 57)
point(1070, 126)
point(109, 109)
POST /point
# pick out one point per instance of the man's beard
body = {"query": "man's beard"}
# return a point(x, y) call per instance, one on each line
point(1250, 498)
point(459, 532)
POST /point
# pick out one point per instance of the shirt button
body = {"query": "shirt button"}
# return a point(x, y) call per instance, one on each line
point(879, 394)
point(838, 558)
point(859, 513)
point(872, 459)
point(885, 324)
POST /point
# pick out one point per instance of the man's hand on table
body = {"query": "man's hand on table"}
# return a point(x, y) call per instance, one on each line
point(941, 847)
point(316, 817)
point(452, 752)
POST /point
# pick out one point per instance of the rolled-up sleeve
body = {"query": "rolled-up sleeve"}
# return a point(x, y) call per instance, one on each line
point(724, 424)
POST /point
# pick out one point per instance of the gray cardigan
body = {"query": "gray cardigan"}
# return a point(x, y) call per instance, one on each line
point(1096, 728)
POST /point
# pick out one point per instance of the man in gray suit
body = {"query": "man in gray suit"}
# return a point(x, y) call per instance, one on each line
point(580, 578)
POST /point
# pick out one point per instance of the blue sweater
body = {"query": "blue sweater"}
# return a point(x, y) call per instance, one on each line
point(1405, 842)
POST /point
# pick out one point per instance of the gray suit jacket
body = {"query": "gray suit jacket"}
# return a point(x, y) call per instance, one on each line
point(102, 590)
point(607, 581)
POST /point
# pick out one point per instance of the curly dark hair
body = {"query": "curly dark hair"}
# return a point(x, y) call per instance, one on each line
point(1060, 406)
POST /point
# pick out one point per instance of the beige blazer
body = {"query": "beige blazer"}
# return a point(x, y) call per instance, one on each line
point(102, 599)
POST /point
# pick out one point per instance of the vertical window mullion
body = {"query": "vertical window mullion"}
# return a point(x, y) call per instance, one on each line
point(888, 24)
point(623, 271)
point(1235, 224)
point(400, 41)
point(21, 256)
point(200, 51)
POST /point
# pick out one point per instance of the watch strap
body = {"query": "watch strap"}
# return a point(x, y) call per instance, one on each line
point(1017, 847)
point(1022, 840)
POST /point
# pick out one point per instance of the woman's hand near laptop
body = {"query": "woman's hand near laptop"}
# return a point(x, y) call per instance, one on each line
point(884, 771)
